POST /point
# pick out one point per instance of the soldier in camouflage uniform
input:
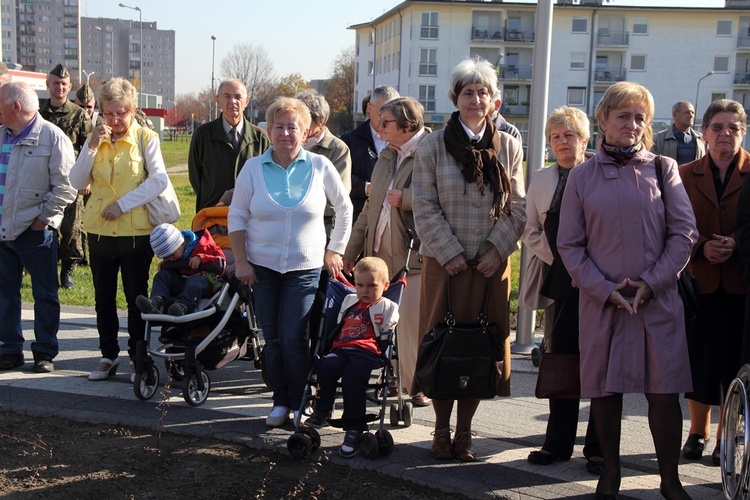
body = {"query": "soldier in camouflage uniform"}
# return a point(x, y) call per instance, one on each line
point(58, 109)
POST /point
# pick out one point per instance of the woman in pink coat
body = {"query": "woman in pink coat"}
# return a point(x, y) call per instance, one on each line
point(624, 246)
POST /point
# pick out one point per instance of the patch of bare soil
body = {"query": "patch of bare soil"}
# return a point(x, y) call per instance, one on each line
point(47, 457)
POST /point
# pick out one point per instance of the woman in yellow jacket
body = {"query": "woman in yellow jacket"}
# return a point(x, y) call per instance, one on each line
point(122, 163)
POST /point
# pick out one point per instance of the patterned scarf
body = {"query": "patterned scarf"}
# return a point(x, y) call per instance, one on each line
point(479, 162)
point(621, 155)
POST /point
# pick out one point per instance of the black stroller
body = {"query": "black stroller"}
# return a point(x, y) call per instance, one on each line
point(222, 329)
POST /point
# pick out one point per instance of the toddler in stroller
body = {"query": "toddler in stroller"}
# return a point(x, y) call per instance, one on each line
point(178, 288)
point(353, 349)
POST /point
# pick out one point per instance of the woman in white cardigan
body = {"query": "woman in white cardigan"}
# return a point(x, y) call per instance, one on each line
point(277, 232)
point(567, 133)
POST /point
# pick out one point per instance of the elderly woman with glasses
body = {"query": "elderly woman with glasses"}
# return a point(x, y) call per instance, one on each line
point(122, 162)
point(381, 228)
point(713, 184)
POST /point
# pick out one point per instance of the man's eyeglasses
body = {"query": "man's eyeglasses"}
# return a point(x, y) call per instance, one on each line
point(384, 123)
point(733, 128)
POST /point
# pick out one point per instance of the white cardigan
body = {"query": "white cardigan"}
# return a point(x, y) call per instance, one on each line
point(294, 238)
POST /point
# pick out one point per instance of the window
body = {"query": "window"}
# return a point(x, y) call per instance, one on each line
point(427, 97)
point(429, 25)
point(715, 96)
point(640, 26)
point(724, 27)
point(578, 60)
point(580, 25)
point(638, 62)
point(576, 96)
point(721, 64)
point(428, 62)
point(371, 38)
point(510, 96)
point(370, 68)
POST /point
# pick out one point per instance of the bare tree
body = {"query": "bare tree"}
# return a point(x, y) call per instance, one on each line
point(249, 64)
point(339, 92)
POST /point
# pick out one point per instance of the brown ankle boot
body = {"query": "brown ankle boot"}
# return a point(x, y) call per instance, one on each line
point(441, 444)
point(462, 446)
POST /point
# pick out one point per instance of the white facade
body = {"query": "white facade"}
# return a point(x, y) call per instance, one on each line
point(414, 46)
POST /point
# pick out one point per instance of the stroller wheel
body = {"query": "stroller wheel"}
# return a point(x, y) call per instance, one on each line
point(735, 438)
point(369, 446)
point(395, 419)
point(408, 413)
point(175, 369)
point(299, 445)
point(195, 389)
point(146, 382)
point(536, 356)
point(385, 442)
point(314, 435)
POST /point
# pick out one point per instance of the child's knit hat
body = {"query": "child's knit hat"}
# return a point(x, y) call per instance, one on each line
point(165, 240)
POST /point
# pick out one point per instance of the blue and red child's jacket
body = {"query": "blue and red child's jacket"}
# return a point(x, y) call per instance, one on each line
point(202, 244)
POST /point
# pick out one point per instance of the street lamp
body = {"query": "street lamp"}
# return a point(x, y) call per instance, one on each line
point(111, 48)
point(213, 60)
point(698, 88)
point(140, 76)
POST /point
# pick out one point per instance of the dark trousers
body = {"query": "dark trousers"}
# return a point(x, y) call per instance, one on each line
point(353, 366)
point(562, 425)
point(131, 257)
point(170, 284)
point(71, 232)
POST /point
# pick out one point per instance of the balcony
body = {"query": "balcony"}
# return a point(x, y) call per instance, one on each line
point(742, 79)
point(610, 75)
point(487, 33)
point(613, 39)
point(743, 42)
point(519, 35)
point(514, 72)
point(514, 109)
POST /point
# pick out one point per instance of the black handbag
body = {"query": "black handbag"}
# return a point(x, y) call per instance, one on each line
point(687, 286)
point(461, 360)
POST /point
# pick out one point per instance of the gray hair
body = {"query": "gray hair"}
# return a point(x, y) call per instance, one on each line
point(679, 104)
point(472, 71)
point(725, 106)
point(23, 94)
point(231, 80)
point(408, 112)
point(317, 104)
point(385, 93)
point(119, 89)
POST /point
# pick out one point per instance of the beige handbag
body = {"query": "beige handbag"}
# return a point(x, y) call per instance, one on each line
point(165, 208)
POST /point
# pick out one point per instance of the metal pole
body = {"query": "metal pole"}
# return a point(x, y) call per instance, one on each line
point(524, 343)
point(213, 62)
point(698, 88)
point(140, 79)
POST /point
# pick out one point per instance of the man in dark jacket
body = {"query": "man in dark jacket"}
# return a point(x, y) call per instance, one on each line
point(365, 146)
point(220, 148)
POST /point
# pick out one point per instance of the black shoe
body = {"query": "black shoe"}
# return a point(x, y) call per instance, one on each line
point(316, 420)
point(66, 273)
point(595, 467)
point(153, 305)
point(536, 457)
point(350, 447)
point(694, 446)
point(43, 363)
point(178, 309)
point(11, 361)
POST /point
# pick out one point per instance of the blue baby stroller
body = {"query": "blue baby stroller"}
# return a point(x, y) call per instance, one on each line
point(221, 330)
point(306, 438)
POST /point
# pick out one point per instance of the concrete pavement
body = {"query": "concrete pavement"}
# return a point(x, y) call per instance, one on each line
point(506, 429)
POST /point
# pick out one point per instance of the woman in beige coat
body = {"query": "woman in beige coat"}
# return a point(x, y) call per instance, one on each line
point(381, 228)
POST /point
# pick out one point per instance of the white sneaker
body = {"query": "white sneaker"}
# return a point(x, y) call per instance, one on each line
point(278, 416)
point(110, 368)
point(132, 372)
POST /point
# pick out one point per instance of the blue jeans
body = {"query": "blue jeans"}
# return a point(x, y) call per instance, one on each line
point(283, 304)
point(37, 252)
point(171, 285)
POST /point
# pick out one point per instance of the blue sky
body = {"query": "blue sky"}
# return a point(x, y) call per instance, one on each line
point(300, 36)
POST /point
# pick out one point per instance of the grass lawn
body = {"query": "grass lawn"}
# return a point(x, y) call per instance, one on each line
point(176, 153)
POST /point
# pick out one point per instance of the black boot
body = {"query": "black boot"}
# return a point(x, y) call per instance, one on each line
point(66, 273)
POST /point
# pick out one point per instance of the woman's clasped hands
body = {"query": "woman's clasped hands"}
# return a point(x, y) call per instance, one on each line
point(629, 294)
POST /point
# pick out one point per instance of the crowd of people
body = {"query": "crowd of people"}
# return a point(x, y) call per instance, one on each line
point(609, 233)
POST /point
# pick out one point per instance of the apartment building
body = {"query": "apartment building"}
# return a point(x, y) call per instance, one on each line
point(677, 53)
point(112, 47)
point(38, 34)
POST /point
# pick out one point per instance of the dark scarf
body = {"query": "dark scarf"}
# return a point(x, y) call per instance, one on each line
point(621, 155)
point(479, 163)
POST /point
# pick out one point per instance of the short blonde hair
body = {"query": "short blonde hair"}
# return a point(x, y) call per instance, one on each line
point(118, 89)
point(575, 119)
point(620, 95)
point(374, 265)
point(295, 107)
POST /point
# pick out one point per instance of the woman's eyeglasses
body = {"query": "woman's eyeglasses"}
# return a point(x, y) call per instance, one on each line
point(121, 115)
point(384, 123)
